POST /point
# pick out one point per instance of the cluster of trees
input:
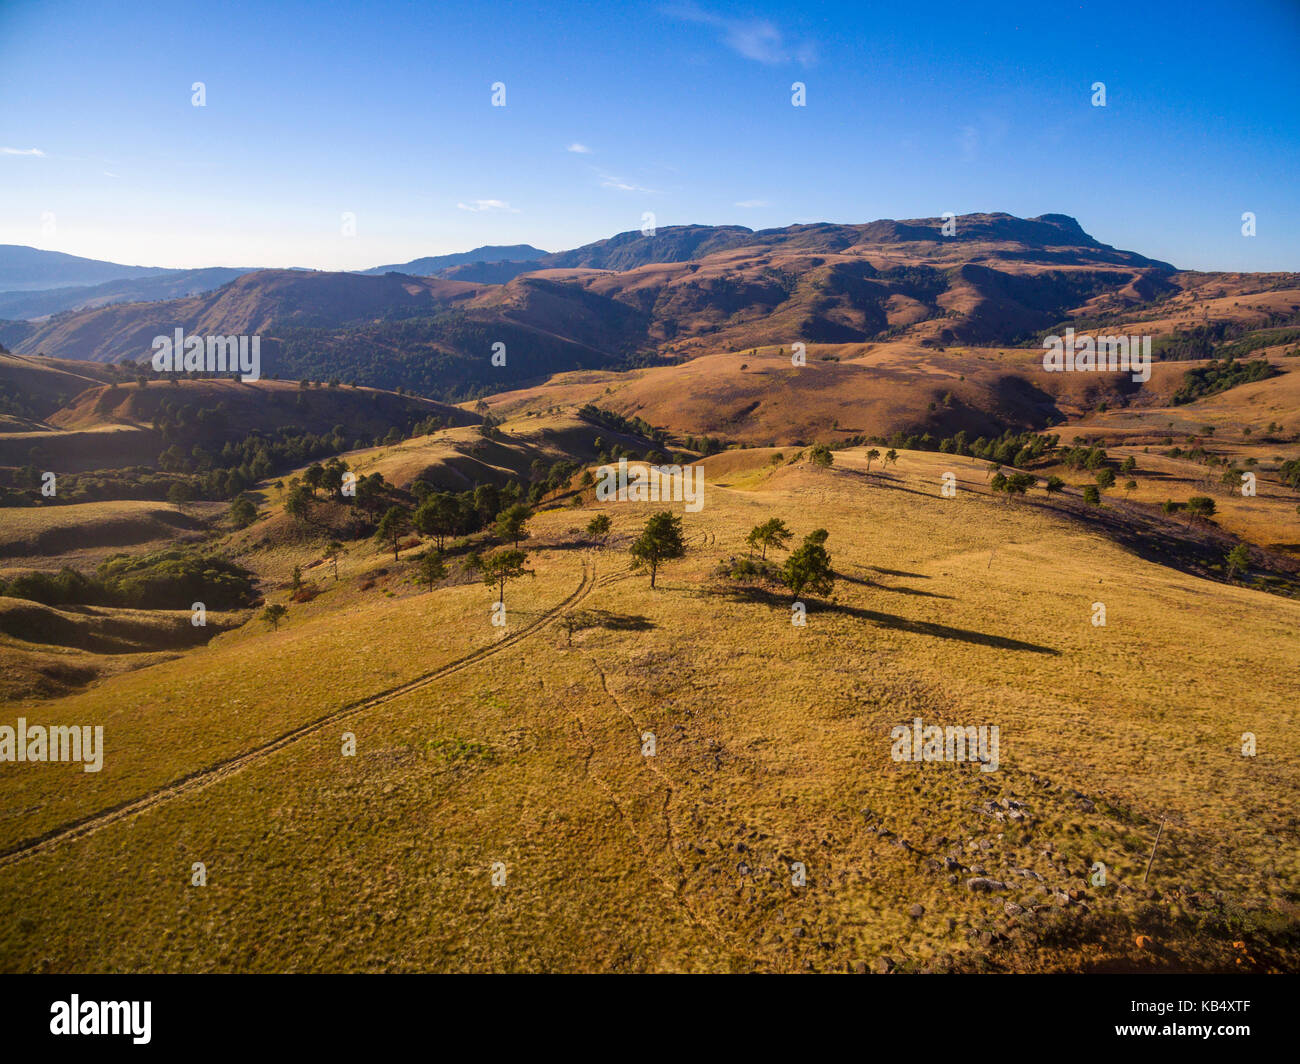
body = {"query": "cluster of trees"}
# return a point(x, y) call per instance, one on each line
point(806, 568)
point(132, 482)
point(1202, 341)
point(1220, 376)
point(1197, 508)
point(167, 580)
point(631, 426)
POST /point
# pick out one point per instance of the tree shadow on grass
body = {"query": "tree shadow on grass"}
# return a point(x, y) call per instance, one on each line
point(886, 620)
point(848, 578)
point(607, 619)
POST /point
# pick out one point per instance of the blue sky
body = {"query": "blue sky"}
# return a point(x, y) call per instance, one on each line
point(615, 109)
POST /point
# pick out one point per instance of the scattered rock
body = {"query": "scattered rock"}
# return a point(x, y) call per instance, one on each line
point(984, 885)
point(916, 912)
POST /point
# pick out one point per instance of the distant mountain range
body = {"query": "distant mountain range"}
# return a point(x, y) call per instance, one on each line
point(637, 298)
point(36, 284)
point(433, 265)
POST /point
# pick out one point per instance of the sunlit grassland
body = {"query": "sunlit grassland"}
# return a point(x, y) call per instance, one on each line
point(773, 747)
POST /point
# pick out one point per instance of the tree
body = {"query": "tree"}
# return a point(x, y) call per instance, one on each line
point(1237, 559)
point(1091, 495)
point(809, 567)
point(431, 568)
point(392, 526)
point(872, 455)
point(503, 566)
point(1105, 478)
point(660, 541)
point(512, 524)
point(332, 552)
point(1200, 507)
point(315, 477)
point(298, 505)
point(1128, 465)
point(771, 533)
point(242, 512)
point(820, 454)
point(437, 516)
point(598, 528)
point(1054, 485)
point(891, 455)
point(273, 614)
point(1018, 484)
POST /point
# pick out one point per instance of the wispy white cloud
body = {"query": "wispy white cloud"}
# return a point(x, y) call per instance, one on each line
point(488, 205)
point(753, 203)
point(610, 181)
point(759, 39)
point(578, 148)
point(22, 151)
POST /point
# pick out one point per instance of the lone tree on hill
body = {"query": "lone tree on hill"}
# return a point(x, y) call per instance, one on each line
point(431, 568)
point(1200, 508)
point(243, 512)
point(891, 455)
point(392, 526)
point(273, 614)
point(872, 455)
point(809, 567)
point(512, 524)
point(298, 505)
point(660, 541)
point(332, 552)
point(503, 566)
point(771, 533)
point(598, 528)
point(1237, 560)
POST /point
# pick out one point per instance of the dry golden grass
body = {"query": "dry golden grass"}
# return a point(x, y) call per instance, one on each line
point(83, 534)
point(773, 747)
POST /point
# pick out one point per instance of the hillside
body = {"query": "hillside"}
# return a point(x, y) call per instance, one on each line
point(636, 298)
point(24, 269)
point(165, 284)
point(522, 750)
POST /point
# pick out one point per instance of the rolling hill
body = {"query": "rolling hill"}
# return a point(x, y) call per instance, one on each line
point(635, 297)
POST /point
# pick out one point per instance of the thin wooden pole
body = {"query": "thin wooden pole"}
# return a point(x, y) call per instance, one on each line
point(1151, 860)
